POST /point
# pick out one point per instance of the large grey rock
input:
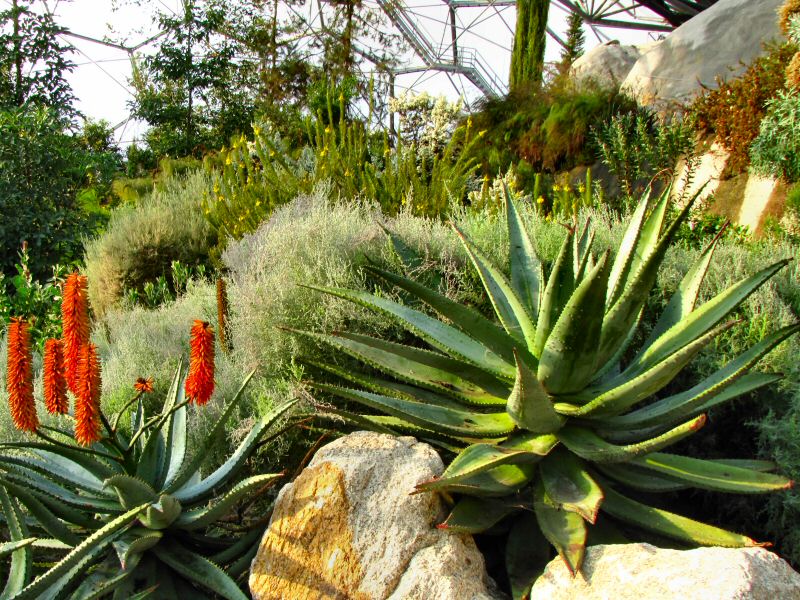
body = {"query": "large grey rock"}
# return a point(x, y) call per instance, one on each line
point(348, 527)
point(643, 572)
point(714, 43)
point(606, 65)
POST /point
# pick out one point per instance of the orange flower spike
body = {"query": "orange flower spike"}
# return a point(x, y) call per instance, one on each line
point(75, 323)
point(143, 386)
point(200, 380)
point(87, 398)
point(55, 385)
point(19, 379)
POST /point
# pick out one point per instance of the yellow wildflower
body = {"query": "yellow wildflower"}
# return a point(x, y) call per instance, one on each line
point(540, 200)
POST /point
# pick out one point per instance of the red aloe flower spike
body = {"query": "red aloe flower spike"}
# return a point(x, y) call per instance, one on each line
point(55, 385)
point(75, 323)
point(200, 380)
point(87, 398)
point(19, 379)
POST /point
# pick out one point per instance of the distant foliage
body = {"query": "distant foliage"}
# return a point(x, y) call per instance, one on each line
point(425, 120)
point(34, 61)
point(255, 177)
point(36, 301)
point(733, 112)
point(776, 150)
point(42, 170)
point(547, 129)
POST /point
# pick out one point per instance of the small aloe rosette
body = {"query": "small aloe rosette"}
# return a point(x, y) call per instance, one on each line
point(555, 421)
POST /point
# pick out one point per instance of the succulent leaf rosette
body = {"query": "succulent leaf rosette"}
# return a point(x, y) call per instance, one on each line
point(129, 515)
point(551, 414)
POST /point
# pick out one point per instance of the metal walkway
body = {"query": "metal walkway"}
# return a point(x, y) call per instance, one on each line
point(647, 15)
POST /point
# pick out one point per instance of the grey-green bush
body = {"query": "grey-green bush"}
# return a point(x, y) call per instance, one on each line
point(141, 242)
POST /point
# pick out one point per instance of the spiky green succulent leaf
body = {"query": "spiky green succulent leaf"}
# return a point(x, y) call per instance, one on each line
point(564, 529)
point(479, 458)
point(420, 367)
point(568, 359)
point(557, 292)
point(202, 517)
point(669, 524)
point(90, 545)
point(509, 308)
point(569, 486)
point(590, 446)
point(455, 422)
point(192, 467)
point(438, 334)
point(130, 546)
point(43, 515)
point(198, 570)
point(467, 319)
point(9, 547)
point(476, 515)
point(529, 405)
point(527, 272)
point(161, 513)
point(192, 492)
point(527, 554)
point(20, 570)
point(712, 475)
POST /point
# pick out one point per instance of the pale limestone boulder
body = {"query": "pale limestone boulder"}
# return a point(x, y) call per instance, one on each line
point(644, 572)
point(606, 65)
point(713, 44)
point(349, 527)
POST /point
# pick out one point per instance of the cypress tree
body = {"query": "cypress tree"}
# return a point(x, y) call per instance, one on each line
point(527, 57)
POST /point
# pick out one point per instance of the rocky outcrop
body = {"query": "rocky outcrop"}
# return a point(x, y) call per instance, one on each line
point(349, 527)
point(746, 199)
point(713, 44)
point(606, 65)
point(641, 571)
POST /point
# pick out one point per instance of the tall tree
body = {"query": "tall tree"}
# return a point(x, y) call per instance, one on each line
point(200, 87)
point(530, 38)
point(34, 63)
point(573, 47)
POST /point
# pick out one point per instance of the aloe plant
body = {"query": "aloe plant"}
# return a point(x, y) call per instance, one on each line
point(550, 412)
point(131, 515)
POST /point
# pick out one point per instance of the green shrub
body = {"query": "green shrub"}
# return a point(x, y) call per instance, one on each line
point(775, 152)
point(141, 242)
point(734, 110)
point(36, 302)
point(256, 177)
point(42, 170)
point(549, 128)
point(637, 146)
point(139, 342)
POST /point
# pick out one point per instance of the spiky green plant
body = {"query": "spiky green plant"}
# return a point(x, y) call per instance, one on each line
point(550, 413)
point(131, 514)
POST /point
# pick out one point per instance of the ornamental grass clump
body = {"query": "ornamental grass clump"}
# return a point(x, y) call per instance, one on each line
point(556, 419)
